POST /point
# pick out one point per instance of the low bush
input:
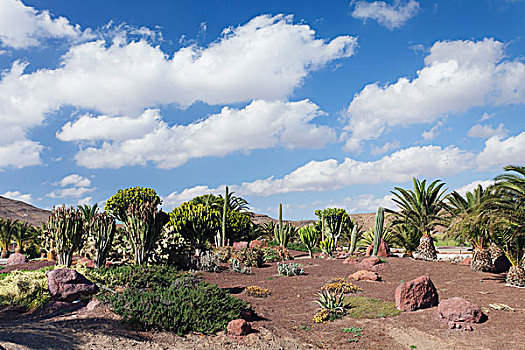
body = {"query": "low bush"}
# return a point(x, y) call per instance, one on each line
point(258, 292)
point(24, 288)
point(290, 269)
point(248, 257)
point(237, 267)
point(339, 285)
point(158, 297)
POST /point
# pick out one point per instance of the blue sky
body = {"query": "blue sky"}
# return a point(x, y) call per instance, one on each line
point(307, 103)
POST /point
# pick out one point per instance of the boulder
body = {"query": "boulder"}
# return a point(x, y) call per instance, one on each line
point(459, 313)
point(419, 293)
point(364, 275)
point(238, 328)
point(350, 260)
point(368, 263)
point(69, 285)
point(383, 250)
point(16, 258)
point(256, 244)
point(240, 245)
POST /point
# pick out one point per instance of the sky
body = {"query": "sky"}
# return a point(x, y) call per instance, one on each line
point(312, 104)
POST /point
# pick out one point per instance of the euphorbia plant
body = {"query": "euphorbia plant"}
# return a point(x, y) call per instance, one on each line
point(66, 226)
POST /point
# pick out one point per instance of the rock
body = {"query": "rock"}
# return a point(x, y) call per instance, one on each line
point(368, 263)
point(416, 294)
point(240, 245)
point(364, 275)
point(383, 250)
point(350, 260)
point(238, 327)
point(93, 304)
point(69, 285)
point(341, 255)
point(466, 261)
point(16, 259)
point(457, 312)
point(256, 244)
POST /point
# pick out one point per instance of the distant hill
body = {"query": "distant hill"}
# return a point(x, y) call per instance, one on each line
point(13, 209)
point(365, 219)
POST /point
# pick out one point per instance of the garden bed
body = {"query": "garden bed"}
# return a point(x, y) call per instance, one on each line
point(285, 317)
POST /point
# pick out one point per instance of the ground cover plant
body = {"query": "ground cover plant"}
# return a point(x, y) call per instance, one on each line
point(364, 307)
point(27, 289)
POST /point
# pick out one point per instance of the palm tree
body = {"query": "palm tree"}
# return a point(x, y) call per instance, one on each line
point(7, 227)
point(421, 209)
point(470, 220)
point(88, 211)
point(511, 237)
point(22, 234)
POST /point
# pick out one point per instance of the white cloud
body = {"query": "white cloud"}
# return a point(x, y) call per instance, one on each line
point(17, 195)
point(136, 141)
point(175, 198)
point(387, 147)
point(486, 116)
point(499, 152)
point(329, 175)
point(20, 154)
point(487, 131)
point(23, 26)
point(266, 58)
point(70, 192)
point(473, 185)
point(391, 16)
point(458, 75)
point(433, 132)
point(86, 201)
point(367, 202)
point(74, 180)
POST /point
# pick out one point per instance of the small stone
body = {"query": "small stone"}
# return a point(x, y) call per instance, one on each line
point(419, 293)
point(350, 260)
point(238, 327)
point(364, 275)
point(93, 304)
point(16, 258)
point(466, 261)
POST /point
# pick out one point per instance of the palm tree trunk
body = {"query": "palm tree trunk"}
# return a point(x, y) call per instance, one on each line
point(481, 260)
point(516, 277)
point(5, 254)
point(426, 249)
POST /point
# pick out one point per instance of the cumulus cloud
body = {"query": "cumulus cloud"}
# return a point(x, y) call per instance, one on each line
point(470, 187)
point(329, 175)
point(487, 131)
point(176, 198)
point(136, 141)
point(74, 180)
point(17, 195)
point(499, 152)
point(387, 147)
point(70, 192)
point(23, 26)
point(19, 154)
point(391, 16)
point(458, 75)
point(266, 58)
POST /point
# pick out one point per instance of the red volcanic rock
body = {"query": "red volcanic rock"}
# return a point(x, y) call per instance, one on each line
point(350, 260)
point(16, 258)
point(69, 285)
point(368, 263)
point(416, 294)
point(364, 275)
point(383, 250)
point(256, 244)
point(459, 313)
point(240, 245)
point(238, 327)
point(466, 262)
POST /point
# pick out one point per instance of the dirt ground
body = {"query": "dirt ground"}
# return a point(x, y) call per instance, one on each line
point(285, 317)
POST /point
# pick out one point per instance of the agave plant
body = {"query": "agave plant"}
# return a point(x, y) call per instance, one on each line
point(331, 301)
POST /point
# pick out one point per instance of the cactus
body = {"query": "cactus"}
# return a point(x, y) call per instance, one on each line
point(327, 245)
point(283, 231)
point(102, 230)
point(309, 237)
point(66, 226)
point(378, 229)
point(353, 239)
point(224, 217)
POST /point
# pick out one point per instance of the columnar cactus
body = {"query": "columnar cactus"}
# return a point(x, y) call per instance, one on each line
point(102, 230)
point(378, 229)
point(66, 225)
point(224, 217)
point(283, 232)
point(353, 239)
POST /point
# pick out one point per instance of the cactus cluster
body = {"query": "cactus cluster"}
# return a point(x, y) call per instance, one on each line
point(283, 232)
point(66, 226)
point(102, 228)
point(378, 229)
point(290, 269)
point(309, 237)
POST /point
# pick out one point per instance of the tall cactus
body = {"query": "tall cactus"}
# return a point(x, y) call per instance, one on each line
point(224, 216)
point(283, 232)
point(66, 225)
point(353, 239)
point(378, 229)
point(102, 230)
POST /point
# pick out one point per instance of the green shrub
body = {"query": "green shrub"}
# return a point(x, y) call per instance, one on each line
point(24, 288)
point(158, 297)
point(119, 203)
point(248, 257)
